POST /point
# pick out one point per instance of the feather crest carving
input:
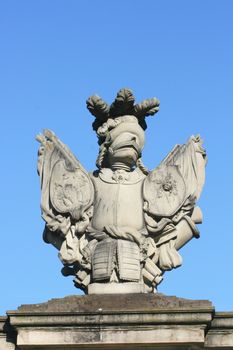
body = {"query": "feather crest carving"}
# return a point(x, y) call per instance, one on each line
point(147, 107)
point(123, 103)
point(98, 107)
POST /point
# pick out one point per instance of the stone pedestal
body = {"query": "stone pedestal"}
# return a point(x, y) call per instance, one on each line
point(7, 334)
point(130, 321)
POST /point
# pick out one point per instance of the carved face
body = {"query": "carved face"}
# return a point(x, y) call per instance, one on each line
point(126, 143)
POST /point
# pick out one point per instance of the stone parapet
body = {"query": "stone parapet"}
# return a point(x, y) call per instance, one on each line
point(221, 331)
point(130, 321)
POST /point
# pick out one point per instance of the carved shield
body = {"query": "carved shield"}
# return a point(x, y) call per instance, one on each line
point(164, 191)
point(71, 190)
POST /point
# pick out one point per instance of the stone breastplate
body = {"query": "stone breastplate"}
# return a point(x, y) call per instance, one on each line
point(118, 199)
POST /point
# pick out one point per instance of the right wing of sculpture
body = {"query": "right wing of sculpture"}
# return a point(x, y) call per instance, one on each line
point(66, 198)
point(170, 194)
point(177, 182)
point(190, 160)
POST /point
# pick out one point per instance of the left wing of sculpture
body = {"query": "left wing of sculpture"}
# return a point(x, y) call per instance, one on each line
point(66, 198)
point(170, 193)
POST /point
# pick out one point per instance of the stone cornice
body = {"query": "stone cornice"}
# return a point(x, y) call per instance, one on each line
point(130, 321)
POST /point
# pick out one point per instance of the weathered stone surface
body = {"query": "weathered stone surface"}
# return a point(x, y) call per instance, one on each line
point(130, 321)
point(120, 302)
point(221, 331)
point(7, 335)
point(94, 320)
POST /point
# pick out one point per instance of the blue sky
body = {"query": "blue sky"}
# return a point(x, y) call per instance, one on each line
point(55, 54)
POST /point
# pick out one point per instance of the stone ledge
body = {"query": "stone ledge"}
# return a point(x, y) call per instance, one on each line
point(123, 309)
point(112, 320)
point(130, 321)
point(221, 331)
point(117, 302)
point(223, 320)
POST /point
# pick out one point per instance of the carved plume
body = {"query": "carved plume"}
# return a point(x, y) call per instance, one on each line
point(147, 107)
point(98, 107)
point(122, 105)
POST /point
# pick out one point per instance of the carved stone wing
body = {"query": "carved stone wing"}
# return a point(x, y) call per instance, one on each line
point(177, 181)
point(67, 191)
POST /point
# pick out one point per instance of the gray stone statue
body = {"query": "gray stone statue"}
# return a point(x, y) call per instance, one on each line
point(119, 228)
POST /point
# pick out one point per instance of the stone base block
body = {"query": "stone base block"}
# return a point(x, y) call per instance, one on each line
point(121, 321)
point(115, 288)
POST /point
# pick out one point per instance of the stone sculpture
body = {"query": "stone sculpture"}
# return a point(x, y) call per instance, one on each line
point(119, 228)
